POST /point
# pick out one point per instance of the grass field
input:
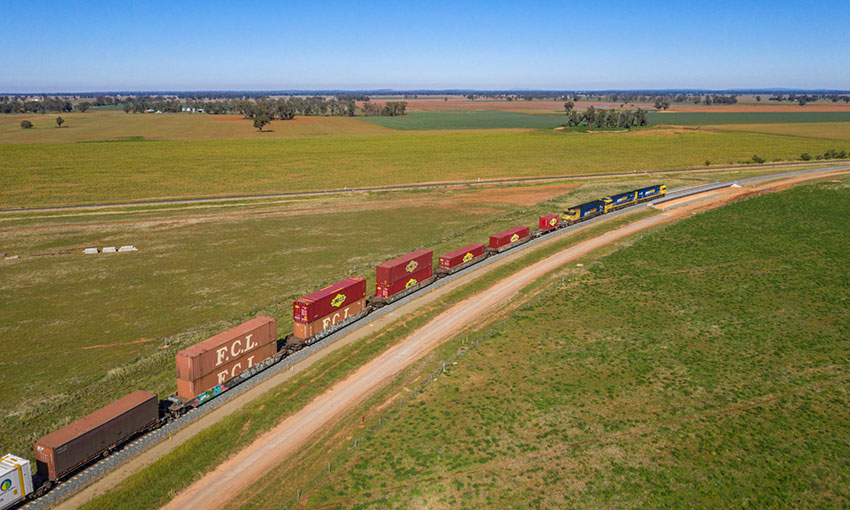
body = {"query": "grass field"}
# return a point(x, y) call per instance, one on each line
point(117, 125)
point(712, 118)
point(157, 483)
point(469, 119)
point(704, 366)
point(198, 271)
point(62, 174)
point(833, 130)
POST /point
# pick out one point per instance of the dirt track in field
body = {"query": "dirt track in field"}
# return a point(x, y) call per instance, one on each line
point(237, 474)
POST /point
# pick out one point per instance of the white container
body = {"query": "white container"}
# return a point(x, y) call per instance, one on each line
point(15, 480)
point(91, 251)
point(110, 249)
point(127, 248)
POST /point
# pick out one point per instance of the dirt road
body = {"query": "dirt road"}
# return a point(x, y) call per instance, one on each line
point(236, 474)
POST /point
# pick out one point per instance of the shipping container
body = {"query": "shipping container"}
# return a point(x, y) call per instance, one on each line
point(463, 255)
point(61, 452)
point(548, 222)
point(507, 237)
point(206, 357)
point(385, 291)
point(15, 480)
point(188, 389)
point(326, 301)
point(305, 330)
point(402, 267)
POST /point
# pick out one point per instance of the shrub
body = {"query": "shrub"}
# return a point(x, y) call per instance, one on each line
point(757, 159)
point(25, 124)
point(707, 163)
point(805, 156)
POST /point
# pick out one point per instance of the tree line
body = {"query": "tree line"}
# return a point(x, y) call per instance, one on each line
point(601, 118)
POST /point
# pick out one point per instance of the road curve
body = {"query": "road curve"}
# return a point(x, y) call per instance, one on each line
point(238, 473)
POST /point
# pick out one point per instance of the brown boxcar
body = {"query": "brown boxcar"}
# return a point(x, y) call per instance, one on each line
point(76, 444)
point(206, 357)
point(305, 330)
point(328, 300)
point(549, 221)
point(508, 236)
point(458, 257)
point(400, 268)
point(386, 291)
point(188, 389)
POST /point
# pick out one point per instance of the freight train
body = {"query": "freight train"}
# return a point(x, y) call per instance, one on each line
point(213, 366)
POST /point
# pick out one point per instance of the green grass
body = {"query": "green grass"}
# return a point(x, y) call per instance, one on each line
point(709, 118)
point(706, 365)
point(205, 451)
point(469, 119)
point(62, 174)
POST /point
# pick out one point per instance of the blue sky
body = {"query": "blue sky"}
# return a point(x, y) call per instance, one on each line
point(157, 45)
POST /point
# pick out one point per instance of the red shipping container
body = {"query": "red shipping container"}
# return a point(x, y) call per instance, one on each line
point(74, 445)
point(188, 389)
point(205, 357)
point(328, 300)
point(400, 268)
point(387, 290)
point(458, 257)
point(305, 330)
point(508, 236)
point(549, 221)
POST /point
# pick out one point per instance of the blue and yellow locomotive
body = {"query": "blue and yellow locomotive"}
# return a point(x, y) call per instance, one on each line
point(608, 204)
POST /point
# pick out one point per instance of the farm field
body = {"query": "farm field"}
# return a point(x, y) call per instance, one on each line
point(117, 125)
point(759, 117)
point(200, 269)
point(833, 130)
point(469, 119)
point(705, 364)
point(83, 173)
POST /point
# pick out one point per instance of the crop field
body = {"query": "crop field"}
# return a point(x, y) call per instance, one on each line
point(833, 130)
point(705, 365)
point(98, 172)
point(469, 119)
point(198, 271)
point(757, 117)
point(120, 126)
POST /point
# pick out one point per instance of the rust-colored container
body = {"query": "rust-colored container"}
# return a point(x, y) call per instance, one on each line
point(188, 389)
point(508, 237)
point(305, 330)
point(402, 267)
point(549, 221)
point(206, 357)
point(69, 448)
point(385, 291)
point(458, 257)
point(328, 300)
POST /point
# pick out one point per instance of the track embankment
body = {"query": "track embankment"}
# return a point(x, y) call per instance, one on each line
point(238, 473)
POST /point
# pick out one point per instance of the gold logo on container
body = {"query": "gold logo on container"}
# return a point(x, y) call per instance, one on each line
point(410, 283)
point(411, 266)
point(467, 257)
point(553, 221)
point(515, 238)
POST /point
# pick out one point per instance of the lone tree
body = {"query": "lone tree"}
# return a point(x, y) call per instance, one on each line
point(25, 124)
point(59, 121)
point(568, 106)
point(85, 105)
point(261, 121)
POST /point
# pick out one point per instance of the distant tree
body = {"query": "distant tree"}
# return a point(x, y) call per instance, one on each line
point(757, 159)
point(568, 106)
point(25, 124)
point(471, 97)
point(805, 156)
point(261, 121)
point(59, 121)
point(758, 99)
point(85, 105)
point(802, 100)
